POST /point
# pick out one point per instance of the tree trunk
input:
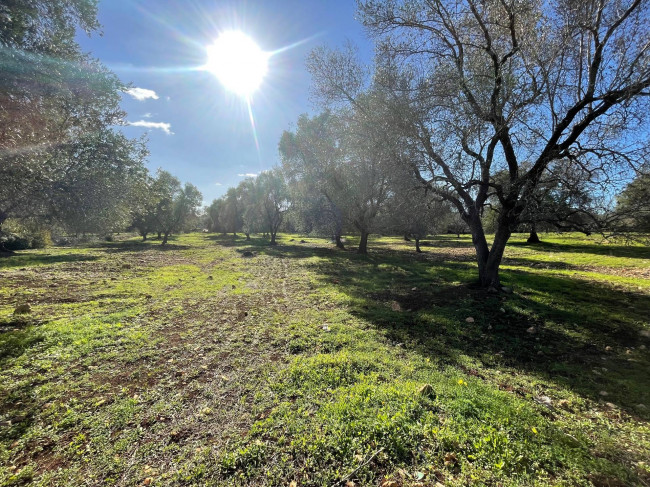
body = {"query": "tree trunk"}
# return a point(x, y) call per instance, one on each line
point(339, 242)
point(248, 237)
point(417, 245)
point(363, 243)
point(3, 249)
point(406, 237)
point(159, 235)
point(533, 238)
point(144, 236)
point(164, 242)
point(273, 242)
point(489, 259)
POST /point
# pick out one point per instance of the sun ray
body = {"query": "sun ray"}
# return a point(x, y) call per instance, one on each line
point(252, 119)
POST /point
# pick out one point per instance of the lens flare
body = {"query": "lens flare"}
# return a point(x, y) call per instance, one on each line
point(238, 63)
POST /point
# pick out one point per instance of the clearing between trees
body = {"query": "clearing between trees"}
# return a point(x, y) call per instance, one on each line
point(195, 363)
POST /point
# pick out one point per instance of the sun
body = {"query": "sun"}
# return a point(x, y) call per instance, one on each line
point(238, 63)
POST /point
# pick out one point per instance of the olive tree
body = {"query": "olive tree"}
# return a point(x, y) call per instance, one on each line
point(506, 85)
point(55, 103)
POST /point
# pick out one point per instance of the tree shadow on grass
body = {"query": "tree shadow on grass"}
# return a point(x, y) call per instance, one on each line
point(629, 251)
point(119, 247)
point(20, 260)
point(583, 335)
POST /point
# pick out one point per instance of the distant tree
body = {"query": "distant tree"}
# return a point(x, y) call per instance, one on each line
point(213, 213)
point(231, 212)
point(415, 213)
point(346, 158)
point(143, 207)
point(249, 200)
point(274, 200)
point(486, 86)
point(633, 205)
point(175, 203)
point(562, 201)
point(309, 159)
point(103, 173)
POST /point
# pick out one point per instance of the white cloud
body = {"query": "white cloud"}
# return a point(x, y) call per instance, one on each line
point(165, 127)
point(141, 94)
point(147, 115)
point(247, 175)
point(218, 184)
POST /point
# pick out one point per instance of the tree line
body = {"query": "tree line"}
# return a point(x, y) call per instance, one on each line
point(63, 161)
point(487, 116)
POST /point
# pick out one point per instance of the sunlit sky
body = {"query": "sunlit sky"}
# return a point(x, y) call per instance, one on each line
point(198, 130)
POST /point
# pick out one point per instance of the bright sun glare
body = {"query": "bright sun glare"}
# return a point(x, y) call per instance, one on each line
point(238, 62)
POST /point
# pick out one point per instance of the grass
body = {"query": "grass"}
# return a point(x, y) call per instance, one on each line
point(195, 365)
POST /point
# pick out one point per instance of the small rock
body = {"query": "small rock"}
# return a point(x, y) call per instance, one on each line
point(469, 319)
point(608, 348)
point(414, 289)
point(544, 401)
point(427, 391)
point(645, 333)
point(502, 310)
point(395, 306)
point(604, 393)
point(326, 328)
point(210, 278)
point(642, 347)
point(23, 309)
point(610, 405)
point(540, 353)
point(303, 241)
point(531, 330)
point(506, 289)
point(247, 253)
point(642, 407)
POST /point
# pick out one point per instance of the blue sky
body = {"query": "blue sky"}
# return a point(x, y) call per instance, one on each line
point(201, 133)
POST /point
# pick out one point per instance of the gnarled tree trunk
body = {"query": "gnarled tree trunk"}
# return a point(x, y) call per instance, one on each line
point(363, 243)
point(533, 238)
point(339, 242)
point(417, 245)
point(489, 258)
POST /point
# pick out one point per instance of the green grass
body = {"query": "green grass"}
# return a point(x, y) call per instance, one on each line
point(194, 365)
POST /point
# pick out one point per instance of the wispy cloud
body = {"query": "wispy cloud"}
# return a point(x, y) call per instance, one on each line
point(141, 94)
point(165, 127)
point(147, 115)
point(247, 175)
point(218, 184)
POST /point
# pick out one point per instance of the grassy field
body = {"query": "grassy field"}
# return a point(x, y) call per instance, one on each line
point(304, 365)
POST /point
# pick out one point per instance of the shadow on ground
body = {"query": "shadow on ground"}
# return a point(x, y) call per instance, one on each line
point(20, 260)
point(583, 335)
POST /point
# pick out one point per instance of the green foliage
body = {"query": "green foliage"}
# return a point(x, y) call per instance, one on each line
point(633, 206)
point(60, 156)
